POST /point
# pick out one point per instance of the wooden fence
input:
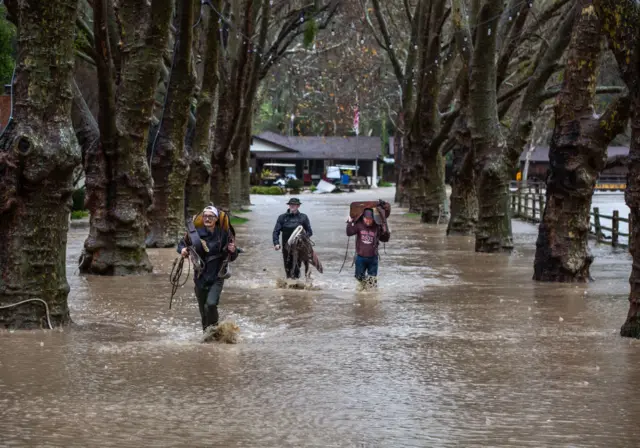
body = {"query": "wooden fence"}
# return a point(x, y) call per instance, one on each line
point(530, 207)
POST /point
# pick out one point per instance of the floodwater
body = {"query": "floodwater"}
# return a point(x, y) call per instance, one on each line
point(454, 349)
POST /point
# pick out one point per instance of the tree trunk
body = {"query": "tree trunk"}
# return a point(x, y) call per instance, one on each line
point(464, 202)
point(245, 189)
point(198, 190)
point(631, 327)
point(577, 155)
point(38, 154)
point(169, 158)
point(119, 185)
point(493, 232)
point(221, 158)
point(622, 24)
point(423, 177)
point(432, 210)
point(235, 192)
point(411, 180)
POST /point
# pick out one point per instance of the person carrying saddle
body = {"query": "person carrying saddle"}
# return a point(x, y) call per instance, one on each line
point(216, 248)
point(286, 224)
point(368, 236)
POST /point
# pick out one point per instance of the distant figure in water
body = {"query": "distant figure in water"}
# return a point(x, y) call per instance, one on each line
point(368, 235)
point(217, 244)
point(287, 223)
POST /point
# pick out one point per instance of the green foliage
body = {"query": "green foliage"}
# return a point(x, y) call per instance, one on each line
point(384, 183)
point(313, 188)
point(295, 184)
point(268, 119)
point(78, 199)
point(79, 214)
point(7, 47)
point(267, 190)
point(310, 32)
point(237, 220)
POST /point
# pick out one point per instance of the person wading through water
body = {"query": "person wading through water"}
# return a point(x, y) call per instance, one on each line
point(287, 223)
point(369, 234)
point(216, 244)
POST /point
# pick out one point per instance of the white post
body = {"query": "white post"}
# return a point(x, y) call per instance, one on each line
point(374, 174)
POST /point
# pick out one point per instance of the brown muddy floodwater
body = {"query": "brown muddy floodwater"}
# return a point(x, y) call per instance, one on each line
point(455, 349)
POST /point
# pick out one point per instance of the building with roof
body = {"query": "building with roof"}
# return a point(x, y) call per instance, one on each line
point(539, 162)
point(310, 157)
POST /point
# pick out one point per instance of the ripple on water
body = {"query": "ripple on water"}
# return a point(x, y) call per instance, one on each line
point(454, 349)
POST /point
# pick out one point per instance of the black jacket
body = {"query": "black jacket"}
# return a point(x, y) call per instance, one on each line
point(217, 244)
point(287, 223)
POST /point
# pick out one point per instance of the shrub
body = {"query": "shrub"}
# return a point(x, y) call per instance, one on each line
point(78, 199)
point(274, 190)
point(79, 214)
point(313, 188)
point(295, 184)
point(384, 183)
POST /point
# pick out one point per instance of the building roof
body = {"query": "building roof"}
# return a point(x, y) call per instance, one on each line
point(322, 148)
point(541, 153)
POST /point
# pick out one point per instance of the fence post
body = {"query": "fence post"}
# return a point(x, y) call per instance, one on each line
point(596, 222)
point(533, 207)
point(630, 232)
point(519, 205)
point(615, 223)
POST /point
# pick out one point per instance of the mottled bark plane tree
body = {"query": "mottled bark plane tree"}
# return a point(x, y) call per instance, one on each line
point(168, 158)
point(118, 181)
point(496, 149)
point(622, 29)
point(577, 156)
point(404, 71)
point(38, 154)
point(422, 126)
point(258, 35)
point(197, 191)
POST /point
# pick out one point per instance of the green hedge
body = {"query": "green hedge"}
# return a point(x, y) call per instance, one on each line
point(79, 214)
point(267, 190)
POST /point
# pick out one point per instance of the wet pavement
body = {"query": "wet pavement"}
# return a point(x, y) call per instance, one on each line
point(454, 349)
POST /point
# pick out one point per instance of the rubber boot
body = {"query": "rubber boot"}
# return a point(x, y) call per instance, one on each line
point(362, 284)
point(372, 282)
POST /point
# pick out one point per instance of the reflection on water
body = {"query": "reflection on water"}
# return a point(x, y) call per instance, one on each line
point(454, 349)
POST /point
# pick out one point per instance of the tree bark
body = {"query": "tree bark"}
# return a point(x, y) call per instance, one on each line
point(245, 160)
point(493, 232)
point(221, 157)
point(622, 27)
point(169, 164)
point(464, 202)
point(119, 185)
point(38, 154)
point(423, 179)
point(577, 155)
point(238, 95)
point(198, 191)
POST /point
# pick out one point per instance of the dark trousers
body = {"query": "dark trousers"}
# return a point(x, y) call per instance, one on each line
point(208, 299)
point(366, 265)
point(292, 271)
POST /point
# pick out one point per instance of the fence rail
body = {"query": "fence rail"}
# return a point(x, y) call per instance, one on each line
point(530, 207)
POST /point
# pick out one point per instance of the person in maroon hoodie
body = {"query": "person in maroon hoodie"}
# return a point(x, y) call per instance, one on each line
point(368, 235)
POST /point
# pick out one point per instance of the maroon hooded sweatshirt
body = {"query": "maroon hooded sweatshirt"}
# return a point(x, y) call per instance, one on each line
point(367, 237)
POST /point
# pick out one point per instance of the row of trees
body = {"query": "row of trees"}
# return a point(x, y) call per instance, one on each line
point(164, 95)
point(160, 122)
point(475, 77)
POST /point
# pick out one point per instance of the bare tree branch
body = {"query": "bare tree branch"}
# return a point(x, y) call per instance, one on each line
point(601, 90)
point(388, 46)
